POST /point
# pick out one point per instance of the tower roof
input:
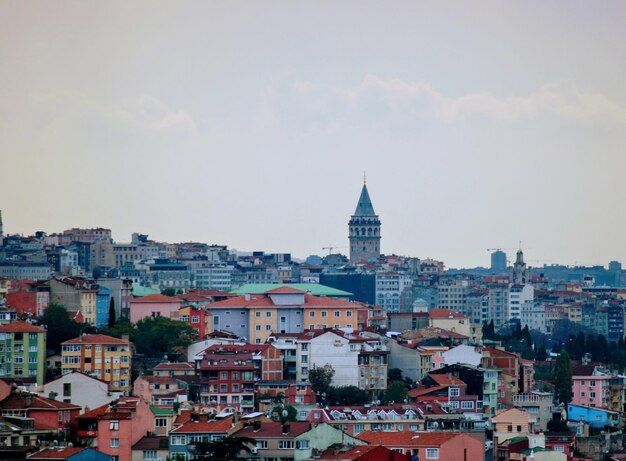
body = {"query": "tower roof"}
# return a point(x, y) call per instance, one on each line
point(364, 207)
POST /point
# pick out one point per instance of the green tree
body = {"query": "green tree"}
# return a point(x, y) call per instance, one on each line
point(563, 378)
point(61, 327)
point(121, 328)
point(168, 292)
point(347, 395)
point(112, 312)
point(156, 336)
point(320, 378)
point(291, 413)
point(542, 354)
point(394, 374)
point(396, 392)
point(226, 449)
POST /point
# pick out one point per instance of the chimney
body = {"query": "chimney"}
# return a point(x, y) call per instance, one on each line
point(256, 425)
point(195, 417)
point(247, 296)
point(286, 428)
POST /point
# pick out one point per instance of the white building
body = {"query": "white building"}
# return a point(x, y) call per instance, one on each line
point(463, 354)
point(533, 314)
point(80, 389)
point(214, 277)
point(393, 290)
point(520, 295)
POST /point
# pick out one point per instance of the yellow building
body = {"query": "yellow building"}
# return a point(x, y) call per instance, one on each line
point(104, 357)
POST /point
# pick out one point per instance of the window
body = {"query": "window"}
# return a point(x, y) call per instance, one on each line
point(257, 327)
point(454, 392)
point(149, 454)
point(302, 444)
point(311, 313)
point(432, 453)
point(285, 444)
point(257, 314)
point(195, 319)
point(268, 327)
point(304, 346)
point(467, 405)
point(336, 314)
point(179, 440)
point(324, 314)
point(559, 448)
point(261, 443)
point(592, 395)
point(349, 313)
point(519, 428)
point(592, 383)
point(114, 425)
point(115, 443)
point(160, 422)
point(67, 389)
point(268, 314)
point(305, 371)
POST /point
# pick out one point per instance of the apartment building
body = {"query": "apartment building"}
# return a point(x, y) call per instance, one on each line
point(23, 352)
point(104, 357)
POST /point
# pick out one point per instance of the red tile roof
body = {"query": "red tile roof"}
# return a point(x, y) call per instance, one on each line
point(407, 438)
point(445, 314)
point(96, 339)
point(446, 380)
point(263, 300)
point(21, 327)
point(57, 453)
point(156, 298)
point(34, 402)
point(204, 425)
point(174, 366)
point(274, 430)
point(286, 290)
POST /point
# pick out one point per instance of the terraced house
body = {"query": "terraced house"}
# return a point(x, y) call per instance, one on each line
point(23, 352)
point(107, 358)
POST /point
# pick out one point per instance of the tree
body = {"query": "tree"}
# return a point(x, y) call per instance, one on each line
point(394, 374)
point(291, 413)
point(542, 354)
point(112, 312)
point(347, 395)
point(61, 327)
point(168, 292)
point(226, 449)
point(156, 336)
point(563, 378)
point(396, 393)
point(320, 378)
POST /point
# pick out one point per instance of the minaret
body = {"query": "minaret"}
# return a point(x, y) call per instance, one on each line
point(364, 230)
point(1, 228)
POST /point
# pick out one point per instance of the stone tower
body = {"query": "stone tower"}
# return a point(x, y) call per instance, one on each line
point(364, 230)
point(520, 273)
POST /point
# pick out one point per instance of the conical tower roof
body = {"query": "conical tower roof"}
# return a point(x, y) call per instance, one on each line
point(364, 207)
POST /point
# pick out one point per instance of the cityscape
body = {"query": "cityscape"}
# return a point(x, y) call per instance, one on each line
point(300, 231)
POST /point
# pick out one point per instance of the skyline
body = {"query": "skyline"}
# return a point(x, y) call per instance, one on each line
point(249, 125)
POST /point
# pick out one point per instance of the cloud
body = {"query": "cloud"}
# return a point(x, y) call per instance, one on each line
point(324, 108)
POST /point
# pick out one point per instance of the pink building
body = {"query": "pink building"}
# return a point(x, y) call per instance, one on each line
point(154, 306)
point(590, 387)
point(115, 427)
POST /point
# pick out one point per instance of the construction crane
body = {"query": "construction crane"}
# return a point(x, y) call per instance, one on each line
point(500, 249)
point(330, 248)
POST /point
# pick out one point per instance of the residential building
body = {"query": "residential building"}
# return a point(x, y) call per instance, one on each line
point(213, 277)
point(357, 359)
point(151, 448)
point(198, 428)
point(76, 294)
point(227, 377)
point(443, 446)
point(537, 404)
point(23, 352)
point(591, 387)
point(40, 412)
point(116, 427)
point(363, 453)
point(394, 291)
point(80, 389)
point(163, 391)
point(25, 270)
point(511, 423)
point(597, 418)
point(69, 454)
point(174, 369)
point(156, 305)
point(108, 358)
point(284, 310)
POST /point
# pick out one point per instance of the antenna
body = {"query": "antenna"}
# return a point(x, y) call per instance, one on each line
point(364, 178)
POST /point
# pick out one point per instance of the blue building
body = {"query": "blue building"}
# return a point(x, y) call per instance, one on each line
point(103, 299)
point(595, 417)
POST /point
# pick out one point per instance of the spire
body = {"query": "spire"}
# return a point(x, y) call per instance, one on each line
point(1, 230)
point(364, 207)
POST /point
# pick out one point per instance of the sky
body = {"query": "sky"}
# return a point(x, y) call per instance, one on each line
point(479, 124)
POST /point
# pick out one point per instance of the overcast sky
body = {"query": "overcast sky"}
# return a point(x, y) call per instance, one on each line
point(250, 124)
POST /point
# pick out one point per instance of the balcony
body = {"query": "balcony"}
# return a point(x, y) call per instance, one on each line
point(87, 433)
